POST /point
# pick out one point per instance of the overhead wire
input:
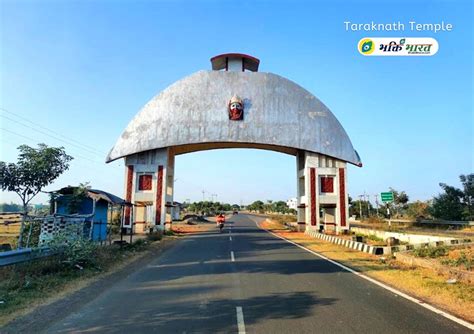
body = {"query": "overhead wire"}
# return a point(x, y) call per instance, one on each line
point(54, 137)
point(35, 140)
point(77, 158)
point(65, 138)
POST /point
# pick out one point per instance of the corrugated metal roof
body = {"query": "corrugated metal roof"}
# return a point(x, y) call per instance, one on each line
point(95, 194)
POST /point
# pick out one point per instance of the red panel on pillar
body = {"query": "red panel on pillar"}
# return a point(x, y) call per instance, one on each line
point(312, 187)
point(144, 182)
point(159, 193)
point(128, 194)
point(327, 184)
point(342, 196)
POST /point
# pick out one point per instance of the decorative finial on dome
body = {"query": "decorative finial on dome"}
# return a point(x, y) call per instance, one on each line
point(237, 62)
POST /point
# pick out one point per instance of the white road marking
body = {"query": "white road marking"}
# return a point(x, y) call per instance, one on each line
point(232, 258)
point(230, 238)
point(395, 291)
point(240, 320)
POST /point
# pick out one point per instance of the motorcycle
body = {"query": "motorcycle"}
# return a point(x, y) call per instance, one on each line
point(220, 222)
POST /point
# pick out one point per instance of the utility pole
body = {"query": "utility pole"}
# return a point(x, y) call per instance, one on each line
point(203, 193)
point(367, 201)
point(377, 203)
point(389, 216)
point(360, 206)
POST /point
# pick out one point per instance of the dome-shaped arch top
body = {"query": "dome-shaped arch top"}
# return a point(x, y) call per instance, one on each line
point(277, 113)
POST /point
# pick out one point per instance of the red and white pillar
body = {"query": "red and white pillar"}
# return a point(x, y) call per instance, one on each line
point(129, 183)
point(311, 192)
point(327, 206)
point(159, 196)
point(342, 200)
point(159, 164)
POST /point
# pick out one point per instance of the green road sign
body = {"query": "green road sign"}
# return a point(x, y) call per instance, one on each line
point(387, 197)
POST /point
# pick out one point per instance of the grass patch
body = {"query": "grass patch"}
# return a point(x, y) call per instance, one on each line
point(432, 252)
point(372, 239)
point(12, 240)
point(271, 224)
point(282, 219)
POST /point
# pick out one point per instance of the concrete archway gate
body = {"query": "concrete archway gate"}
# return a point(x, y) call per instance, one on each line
point(235, 106)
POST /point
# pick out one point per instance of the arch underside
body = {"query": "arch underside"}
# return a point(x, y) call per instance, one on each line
point(190, 148)
point(192, 115)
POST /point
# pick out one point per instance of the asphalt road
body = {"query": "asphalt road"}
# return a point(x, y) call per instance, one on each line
point(247, 280)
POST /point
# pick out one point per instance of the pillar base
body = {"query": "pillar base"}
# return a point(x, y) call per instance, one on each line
point(168, 226)
point(301, 227)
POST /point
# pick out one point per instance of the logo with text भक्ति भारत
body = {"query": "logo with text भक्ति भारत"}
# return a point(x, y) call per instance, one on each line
point(398, 46)
point(366, 46)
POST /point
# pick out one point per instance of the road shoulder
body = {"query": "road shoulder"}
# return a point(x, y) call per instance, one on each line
point(57, 308)
point(419, 283)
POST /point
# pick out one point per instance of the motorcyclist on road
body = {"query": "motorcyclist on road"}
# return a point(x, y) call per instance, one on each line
point(220, 220)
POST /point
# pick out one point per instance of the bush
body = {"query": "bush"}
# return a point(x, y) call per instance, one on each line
point(372, 237)
point(155, 235)
point(72, 248)
point(375, 220)
point(432, 252)
point(462, 260)
point(139, 245)
point(31, 233)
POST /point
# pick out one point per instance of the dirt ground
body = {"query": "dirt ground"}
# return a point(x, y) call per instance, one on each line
point(184, 228)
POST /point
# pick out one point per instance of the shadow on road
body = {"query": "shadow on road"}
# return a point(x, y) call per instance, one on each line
point(180, 316)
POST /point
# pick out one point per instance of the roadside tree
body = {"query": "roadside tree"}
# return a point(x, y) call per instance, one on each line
point(419, 210)
point(356, 207)
point(256, 206)
point(36, 168)
point(455, 203)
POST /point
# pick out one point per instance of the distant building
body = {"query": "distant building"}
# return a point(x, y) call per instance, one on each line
point(292, 203)
point(176, 211)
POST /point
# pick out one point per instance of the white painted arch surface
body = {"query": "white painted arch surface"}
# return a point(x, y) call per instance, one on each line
point(277, 113)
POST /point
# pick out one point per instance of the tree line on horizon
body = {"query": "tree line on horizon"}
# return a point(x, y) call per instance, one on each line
point(455, 204)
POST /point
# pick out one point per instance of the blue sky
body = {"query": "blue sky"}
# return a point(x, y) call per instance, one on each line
point(85, 68)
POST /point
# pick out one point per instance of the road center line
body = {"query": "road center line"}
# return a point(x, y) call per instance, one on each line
point(232, 258)
point(240, 320)
point(230, 238)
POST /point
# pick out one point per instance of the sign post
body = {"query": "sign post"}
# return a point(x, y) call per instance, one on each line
point(387, 197)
